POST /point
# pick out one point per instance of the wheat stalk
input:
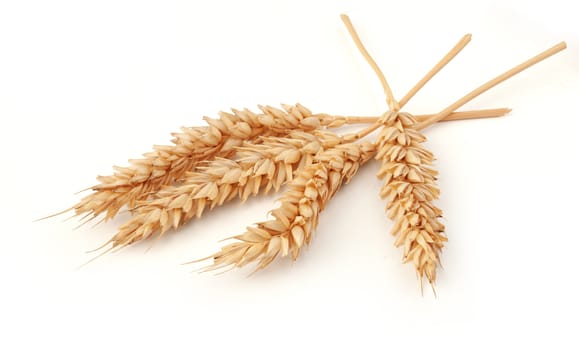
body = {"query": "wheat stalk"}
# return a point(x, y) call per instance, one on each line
point(296, 219)
point(259, 168)
point(192, 145)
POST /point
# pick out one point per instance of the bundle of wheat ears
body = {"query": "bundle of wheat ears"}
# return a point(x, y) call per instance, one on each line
point(244, 153)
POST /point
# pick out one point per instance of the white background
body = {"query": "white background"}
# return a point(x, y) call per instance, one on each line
point(88, 84)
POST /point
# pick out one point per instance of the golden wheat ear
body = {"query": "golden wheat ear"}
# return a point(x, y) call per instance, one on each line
point(296, 219)
point(409, 181)
point(410, 189)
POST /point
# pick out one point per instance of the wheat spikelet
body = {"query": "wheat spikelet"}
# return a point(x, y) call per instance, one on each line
point(409, 187)
point(296, 219)
point(259, 168)
point(192, 145)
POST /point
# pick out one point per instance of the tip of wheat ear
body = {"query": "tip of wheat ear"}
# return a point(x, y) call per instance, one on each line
point(296, 218)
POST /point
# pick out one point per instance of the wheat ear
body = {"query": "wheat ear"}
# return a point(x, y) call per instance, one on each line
point(410, 188)
point(258, 168)
point(296, 219)
point(409, 182)
point(192, 145)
